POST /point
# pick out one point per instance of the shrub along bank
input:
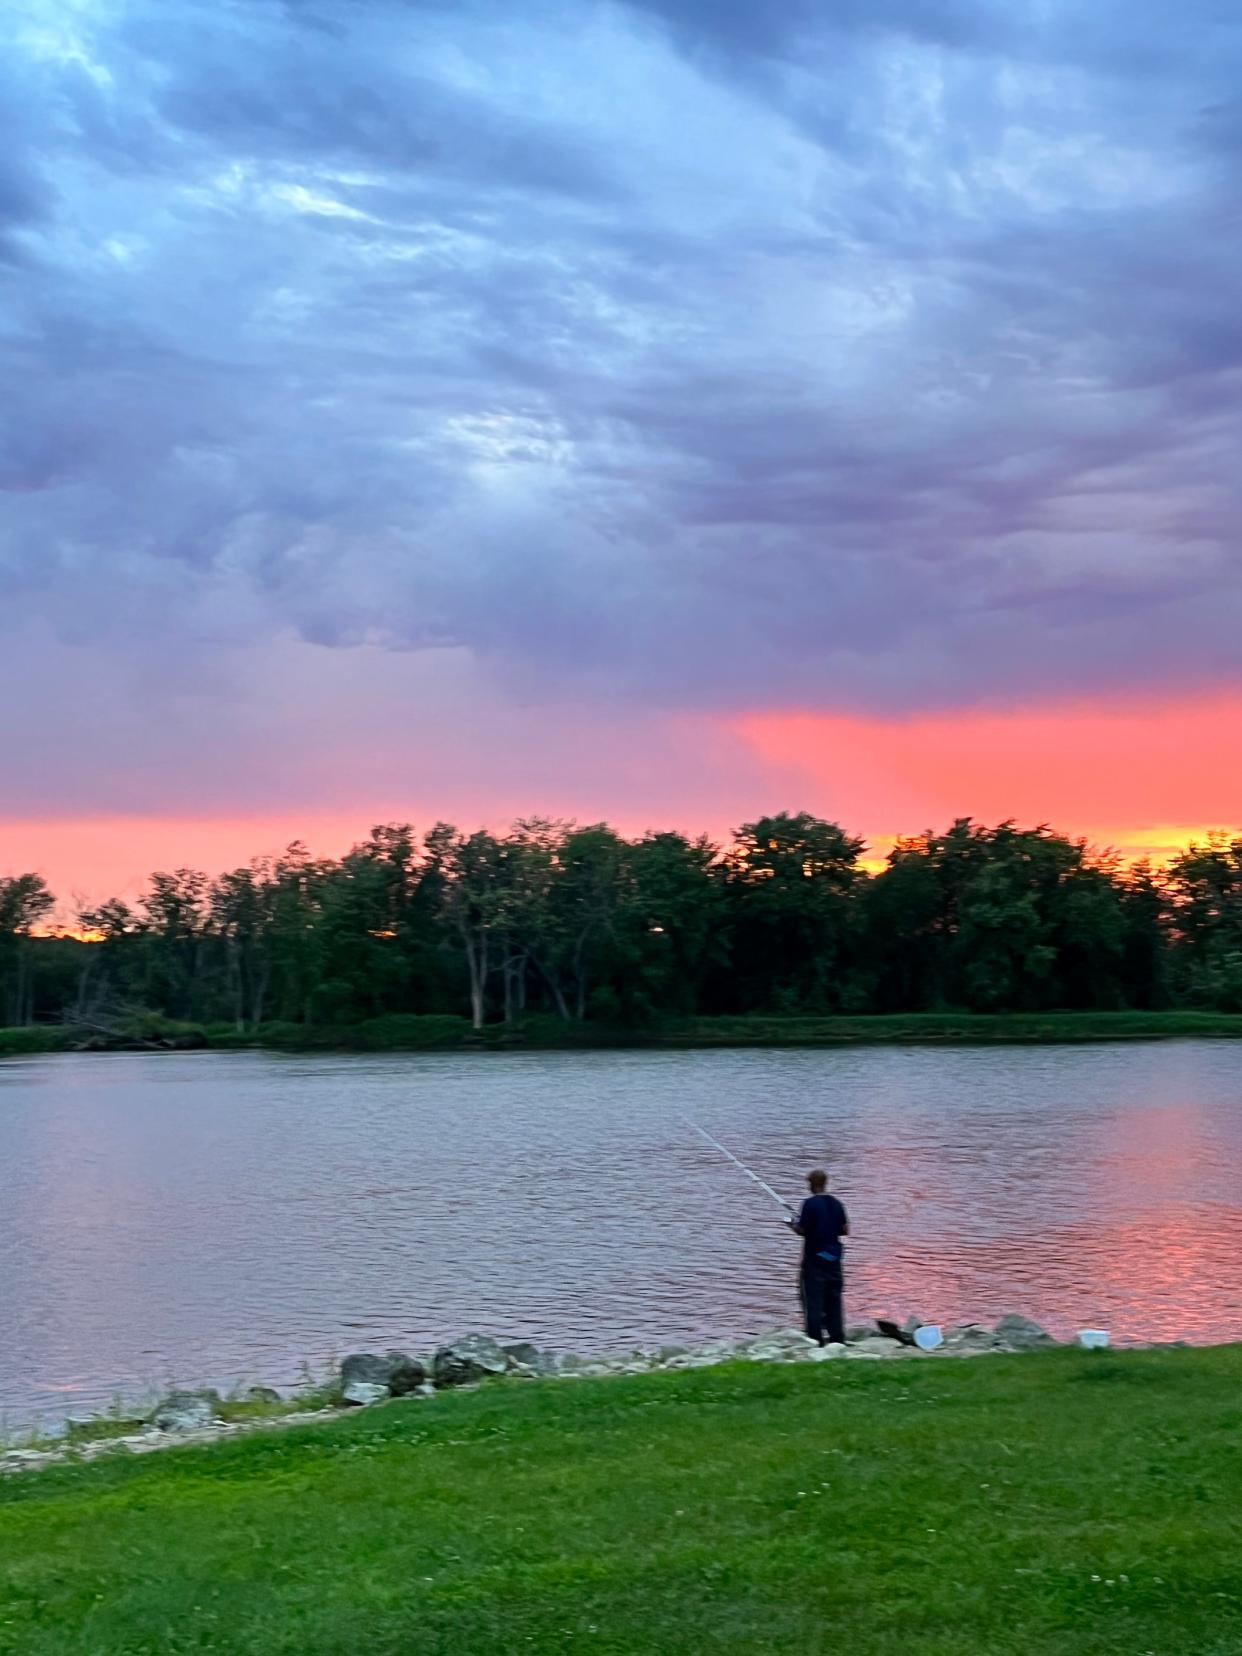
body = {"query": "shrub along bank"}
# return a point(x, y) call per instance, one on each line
point(442, 1032)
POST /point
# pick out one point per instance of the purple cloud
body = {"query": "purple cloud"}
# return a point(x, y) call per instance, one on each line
point(666, 354)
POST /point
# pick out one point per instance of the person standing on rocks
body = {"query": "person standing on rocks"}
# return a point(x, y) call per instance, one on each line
point(821, 1224)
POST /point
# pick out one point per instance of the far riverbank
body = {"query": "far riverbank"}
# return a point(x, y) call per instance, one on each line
point(440, 1032)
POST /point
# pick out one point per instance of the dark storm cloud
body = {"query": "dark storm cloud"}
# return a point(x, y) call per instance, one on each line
point(741, 27)
point(674, 352)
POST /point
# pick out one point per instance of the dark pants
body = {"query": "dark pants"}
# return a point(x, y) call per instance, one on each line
point(821, 1301)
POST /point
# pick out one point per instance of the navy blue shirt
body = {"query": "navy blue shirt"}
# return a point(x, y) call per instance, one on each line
point(820, 1224)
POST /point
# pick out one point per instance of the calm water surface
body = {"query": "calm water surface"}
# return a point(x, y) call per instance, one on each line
point(215, 1216)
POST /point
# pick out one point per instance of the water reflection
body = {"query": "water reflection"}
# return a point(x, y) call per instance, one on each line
point(214, 1216)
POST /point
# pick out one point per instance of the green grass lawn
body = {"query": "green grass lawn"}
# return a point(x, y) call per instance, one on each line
point(1067, 1502)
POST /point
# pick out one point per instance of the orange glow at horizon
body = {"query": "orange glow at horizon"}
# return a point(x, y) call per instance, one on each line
point(1142, 778)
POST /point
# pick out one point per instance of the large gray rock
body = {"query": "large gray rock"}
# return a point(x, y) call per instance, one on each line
point(363, 1392)
point(720, 1351)
point(527, 1359)
point(16, 1458)
point(970, 1337)
point(522, 1354)
point(184, 1411)
point(1021, 1334)
point(406, 1374)
point(473, 1357)
point(784, 1345)
point(366, 1368)
point(398, 1373)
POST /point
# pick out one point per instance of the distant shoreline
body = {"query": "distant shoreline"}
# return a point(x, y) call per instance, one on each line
point(444, 1033)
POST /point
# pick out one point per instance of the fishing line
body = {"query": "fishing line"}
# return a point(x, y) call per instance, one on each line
point(750, 1174)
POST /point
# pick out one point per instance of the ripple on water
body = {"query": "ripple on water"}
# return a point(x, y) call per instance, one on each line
point(209, 1217)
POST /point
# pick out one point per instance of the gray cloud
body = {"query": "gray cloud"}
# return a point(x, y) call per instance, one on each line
point(666, 353)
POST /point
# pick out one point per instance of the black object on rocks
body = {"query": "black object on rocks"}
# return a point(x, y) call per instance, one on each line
point(891, 1331)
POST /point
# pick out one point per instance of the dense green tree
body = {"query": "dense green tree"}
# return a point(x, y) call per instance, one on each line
point(1205, 885)
point(25, 902)
point(792, 880)
point(673, 924)
point(579, 922)
point(470, 871)
point(1144, 973)
point(240, 906)
point(586, 900)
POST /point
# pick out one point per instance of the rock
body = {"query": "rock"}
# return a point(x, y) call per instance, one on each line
point(363, 1368)
point(878, 1345)
point(859, 1331)
point(970, 1337)
point(398, 1373)
point(406, 1374)
point(262, 1394)
point(666, 1353)
point(527, 1360)
point(471, 1358)
point(718, 1351)
point(363, 1392)
point(1021, 1334)
point(185, 1411)
point(825, 1353)
point(783, 1346)
point(522, 1354)
point(912, 1325)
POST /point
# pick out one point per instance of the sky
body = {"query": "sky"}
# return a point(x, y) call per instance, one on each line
point(665, 411)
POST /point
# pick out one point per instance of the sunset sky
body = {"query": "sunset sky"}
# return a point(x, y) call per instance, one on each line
point(660, 410)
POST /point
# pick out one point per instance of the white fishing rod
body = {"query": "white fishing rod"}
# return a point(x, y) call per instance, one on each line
point(749, 1172)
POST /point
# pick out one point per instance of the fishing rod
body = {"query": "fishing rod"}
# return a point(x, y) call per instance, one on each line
point(750, 1174)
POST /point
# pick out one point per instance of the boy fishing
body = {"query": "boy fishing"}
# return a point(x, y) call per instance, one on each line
point(821, 1223)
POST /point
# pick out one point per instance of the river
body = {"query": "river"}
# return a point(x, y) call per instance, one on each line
point(215, 1217)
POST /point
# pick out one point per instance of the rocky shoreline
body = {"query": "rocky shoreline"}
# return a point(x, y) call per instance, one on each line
point(365, 1379)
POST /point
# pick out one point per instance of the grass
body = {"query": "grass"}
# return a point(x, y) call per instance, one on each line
point(16, 1043)
point(126, 1415)
point(441, 1032)
point(1060, 1504)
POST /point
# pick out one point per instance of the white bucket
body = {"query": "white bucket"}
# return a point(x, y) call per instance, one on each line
point(928, 1337)
point(1094, 1339)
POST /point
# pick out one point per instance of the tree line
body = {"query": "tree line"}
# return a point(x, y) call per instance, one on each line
point(582, 923)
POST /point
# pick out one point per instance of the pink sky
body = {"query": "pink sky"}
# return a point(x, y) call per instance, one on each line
point(1142, 777)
